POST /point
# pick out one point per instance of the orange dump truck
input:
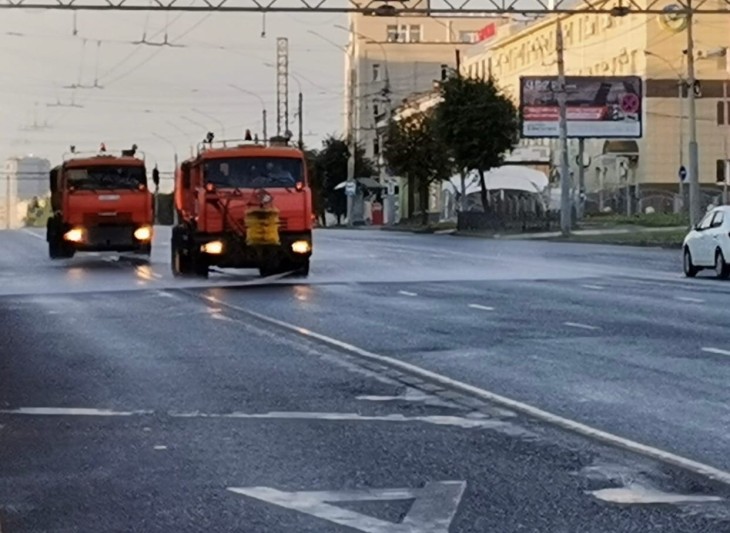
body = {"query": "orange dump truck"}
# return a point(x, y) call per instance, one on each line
point(100, 202)
point(243, 204)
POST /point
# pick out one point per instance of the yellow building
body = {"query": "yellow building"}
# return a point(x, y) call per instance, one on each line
point(645, 45)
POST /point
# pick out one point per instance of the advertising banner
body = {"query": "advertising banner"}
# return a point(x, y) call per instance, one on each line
point(597, 106)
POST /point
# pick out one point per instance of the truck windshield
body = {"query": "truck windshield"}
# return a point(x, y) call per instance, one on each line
point(254, 172)
point(106, 177)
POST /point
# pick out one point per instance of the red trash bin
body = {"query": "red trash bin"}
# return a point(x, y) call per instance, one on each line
point(377, 214)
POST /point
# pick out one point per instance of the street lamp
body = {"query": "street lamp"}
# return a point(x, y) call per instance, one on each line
point(263, 105)
point(211, 117)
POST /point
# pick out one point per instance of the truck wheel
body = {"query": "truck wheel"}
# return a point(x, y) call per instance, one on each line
point(179, 261)
point(301, 268)
point(200, 265)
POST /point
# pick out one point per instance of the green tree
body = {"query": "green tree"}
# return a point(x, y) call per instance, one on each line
point(478, 124)
point(413, 150)
point(331, 164)
point(316, 184)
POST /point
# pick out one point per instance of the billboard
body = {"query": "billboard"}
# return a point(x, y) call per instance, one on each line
point(597, 106)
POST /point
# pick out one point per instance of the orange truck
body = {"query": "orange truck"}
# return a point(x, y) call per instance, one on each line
point(100, 202)
point(243, 204)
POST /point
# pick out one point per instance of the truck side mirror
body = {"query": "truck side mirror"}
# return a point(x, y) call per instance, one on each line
point(53, 176)
point(185, 170)
point(156, 176)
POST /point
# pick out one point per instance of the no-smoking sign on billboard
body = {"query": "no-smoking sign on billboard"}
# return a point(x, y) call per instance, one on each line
point(597, 106)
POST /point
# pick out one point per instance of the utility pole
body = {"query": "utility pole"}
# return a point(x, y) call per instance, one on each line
point(694, 167)
point(351, 145)
point(581, 178)
point(282, 85)
point(7, 201)
point(565, 207)
point(300, 116)
point(680, 101)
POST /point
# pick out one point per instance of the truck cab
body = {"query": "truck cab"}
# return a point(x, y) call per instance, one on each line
point(243, 204)
point(100, 202)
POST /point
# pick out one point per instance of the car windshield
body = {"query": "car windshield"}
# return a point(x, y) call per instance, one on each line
point(106, 177)
point(254, 172)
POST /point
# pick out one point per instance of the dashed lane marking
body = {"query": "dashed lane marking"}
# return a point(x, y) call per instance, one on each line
point(718, 351)
point(593, 287)
point(481, 307)
point(483, 394)
point(689, 299)
point(580, 326)
point(407, 293)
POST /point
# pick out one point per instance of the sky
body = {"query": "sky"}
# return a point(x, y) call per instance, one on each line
point(163, 98)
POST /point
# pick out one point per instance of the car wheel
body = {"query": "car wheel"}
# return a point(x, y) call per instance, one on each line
point(689, 269)
point(722, 270)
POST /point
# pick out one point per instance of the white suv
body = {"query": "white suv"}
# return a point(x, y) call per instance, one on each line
point(708, 244)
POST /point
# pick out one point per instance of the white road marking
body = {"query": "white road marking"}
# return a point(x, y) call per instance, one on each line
point(432, 511)
point(524, 408)
point(716, 351)
point(406, 293)
point(593, 287)
point(69, 411)
point(642, 495)
point(689, 299)
point(481, 307)
point(580, 326)
point(160, 447)
point(477, 421)
point(457, 421)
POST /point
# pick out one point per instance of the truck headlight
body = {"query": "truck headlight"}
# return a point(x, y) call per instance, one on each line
point(212, 247)
point(143, 233)
point(74, 235)
point(301, 247)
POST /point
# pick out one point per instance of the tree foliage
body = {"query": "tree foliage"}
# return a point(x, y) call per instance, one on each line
point(478, 124)
point(331, 167)
point(413, 150)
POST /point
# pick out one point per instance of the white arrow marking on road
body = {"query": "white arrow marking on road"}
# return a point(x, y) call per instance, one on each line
point(593, 287)
point(406, 293)
point(432, 511)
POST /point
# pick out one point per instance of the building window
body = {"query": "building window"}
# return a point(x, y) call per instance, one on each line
point(468, 36)
point(404, 33)
point(376, 72)
point(376, 147)
point(393, 33)
point(720, 113)
point(376, 110)
point(719, 170)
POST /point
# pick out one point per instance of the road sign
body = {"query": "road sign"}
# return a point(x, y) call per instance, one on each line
point(682, 173)
point(350, 188)
point(432, 511)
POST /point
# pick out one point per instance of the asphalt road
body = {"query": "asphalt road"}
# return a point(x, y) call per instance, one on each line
point(132, 401)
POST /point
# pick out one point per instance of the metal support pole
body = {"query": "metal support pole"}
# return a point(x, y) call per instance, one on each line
point(7, 201)
point(565, 207)
point(351, 145)
point(300, 116)
point(581, 178)
point(680, 115)
point(693, 170)
point(263, 118)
